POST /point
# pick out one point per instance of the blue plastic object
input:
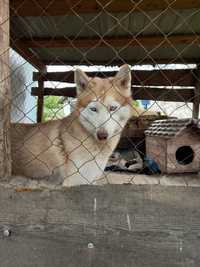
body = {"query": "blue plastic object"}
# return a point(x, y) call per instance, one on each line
point(145, 103)
point(152, 165)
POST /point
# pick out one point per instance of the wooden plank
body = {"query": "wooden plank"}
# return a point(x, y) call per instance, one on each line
point(66, 91)
point(26, 53)
point(63, 7)
point(118, 62)
point(40, 101)
point(195, 110)
point(5, 91)
point(196, 102)
point(144, 226)
point(145, 41)
point(174, 95)
point(156, 77)
point(156, 150)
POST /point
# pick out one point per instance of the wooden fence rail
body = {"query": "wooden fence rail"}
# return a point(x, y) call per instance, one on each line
point(184, 77)
point(149, 85)
point(174, 95)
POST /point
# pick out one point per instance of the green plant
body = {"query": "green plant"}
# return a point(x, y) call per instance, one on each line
point(53, 108)
point(135, 103)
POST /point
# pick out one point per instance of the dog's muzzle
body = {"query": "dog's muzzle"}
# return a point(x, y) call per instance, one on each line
point(102, 134)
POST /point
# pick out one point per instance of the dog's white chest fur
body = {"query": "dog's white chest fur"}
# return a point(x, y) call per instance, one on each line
point(86, 164)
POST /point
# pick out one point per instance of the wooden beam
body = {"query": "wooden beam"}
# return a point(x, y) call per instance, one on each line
point(145, 41)
point(66, 91)
point(63, 7)
point(5, 91)
point(158, 94)
point(196, 101)
point(174, 95)
point(40, 101)
point(117, 62)
point(155, 77)
point(26, 53)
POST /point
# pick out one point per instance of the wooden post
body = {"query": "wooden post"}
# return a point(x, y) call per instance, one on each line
point(196, 101)
point(195, 111)
point(5, 95)
point(40, 101)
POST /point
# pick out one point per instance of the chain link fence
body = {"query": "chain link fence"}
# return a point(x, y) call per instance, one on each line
point(81, 135)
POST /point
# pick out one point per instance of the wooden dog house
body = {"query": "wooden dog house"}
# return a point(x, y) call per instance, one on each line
point(175, 145)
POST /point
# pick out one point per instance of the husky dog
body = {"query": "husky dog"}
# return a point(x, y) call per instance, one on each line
point(75, 150)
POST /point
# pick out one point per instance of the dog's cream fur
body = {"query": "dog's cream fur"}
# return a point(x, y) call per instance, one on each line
point(69, 150)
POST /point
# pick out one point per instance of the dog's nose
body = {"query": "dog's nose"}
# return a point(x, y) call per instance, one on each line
point(102, 134)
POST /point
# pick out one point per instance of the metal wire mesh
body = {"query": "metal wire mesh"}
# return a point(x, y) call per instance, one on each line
point(80, 136)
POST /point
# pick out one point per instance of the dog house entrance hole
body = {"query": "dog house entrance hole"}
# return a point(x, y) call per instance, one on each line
point(184, 155)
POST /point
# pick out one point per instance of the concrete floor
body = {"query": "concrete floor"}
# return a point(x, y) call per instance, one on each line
point(100, 226)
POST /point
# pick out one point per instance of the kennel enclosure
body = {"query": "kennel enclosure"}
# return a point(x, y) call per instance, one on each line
point(113, 225)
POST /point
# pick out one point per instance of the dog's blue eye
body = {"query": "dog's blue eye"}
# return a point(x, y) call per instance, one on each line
point(93, 109)
point(112, 108)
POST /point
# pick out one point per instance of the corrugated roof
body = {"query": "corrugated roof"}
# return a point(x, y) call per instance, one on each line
point(152, 23)
point(171, 127)
point(107, 24)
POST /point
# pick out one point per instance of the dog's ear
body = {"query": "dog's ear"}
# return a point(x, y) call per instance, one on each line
point(81, 80)
point(123, 77)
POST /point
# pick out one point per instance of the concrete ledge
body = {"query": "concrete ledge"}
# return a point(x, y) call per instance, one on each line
point(112, 225)
point(186, 180)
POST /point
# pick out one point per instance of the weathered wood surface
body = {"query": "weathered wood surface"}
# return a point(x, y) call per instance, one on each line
point(143, 226)
point(151, 40)
point(174, 95)
point(196, 101)
point(156, 149)
point(40, 101)
point(63, 7)
point(23, 50)
point(5, 92)
point(118, 62)
point(183, 77)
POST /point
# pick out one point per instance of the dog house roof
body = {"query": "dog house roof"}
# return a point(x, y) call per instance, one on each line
point(171, 127)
